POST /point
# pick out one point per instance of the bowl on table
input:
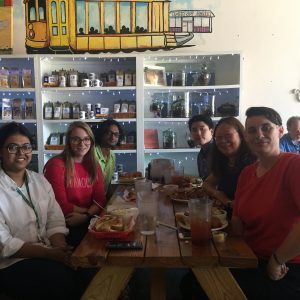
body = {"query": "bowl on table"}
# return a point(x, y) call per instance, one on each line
point(219, 213)
point(126, 213)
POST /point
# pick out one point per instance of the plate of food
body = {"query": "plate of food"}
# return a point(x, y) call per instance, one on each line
point(183, 221)
point(111, 227)
point(183, 195)
point(129, 177)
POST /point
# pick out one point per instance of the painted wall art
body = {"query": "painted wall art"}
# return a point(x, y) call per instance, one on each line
point(6, 25)
point(74, 26)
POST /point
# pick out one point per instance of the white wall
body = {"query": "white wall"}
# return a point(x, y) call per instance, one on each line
point(267, 32)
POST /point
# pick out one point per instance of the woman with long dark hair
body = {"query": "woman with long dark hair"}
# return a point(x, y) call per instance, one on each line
point(230, 155)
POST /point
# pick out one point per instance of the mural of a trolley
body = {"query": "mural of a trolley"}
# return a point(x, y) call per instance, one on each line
point(71, 26)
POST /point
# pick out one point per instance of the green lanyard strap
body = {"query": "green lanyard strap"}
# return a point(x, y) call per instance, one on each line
point(29, 201)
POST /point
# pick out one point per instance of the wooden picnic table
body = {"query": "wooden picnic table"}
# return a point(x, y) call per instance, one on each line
point(210, 263)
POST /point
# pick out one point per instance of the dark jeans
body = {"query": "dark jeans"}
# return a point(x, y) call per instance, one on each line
point(39, 279)
point(76, 234)
point(255, 283)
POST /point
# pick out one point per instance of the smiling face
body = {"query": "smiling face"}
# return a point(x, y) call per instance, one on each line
point(80, 143)
point(201, 133)
point(227, 140)
point(111, 137)
point(263, 136)
point(15, 162)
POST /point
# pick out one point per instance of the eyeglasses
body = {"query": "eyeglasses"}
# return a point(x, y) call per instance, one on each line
point(115, 134)
point(14, 148)
point(77, 140)
point(226, 137)
point(265, 128)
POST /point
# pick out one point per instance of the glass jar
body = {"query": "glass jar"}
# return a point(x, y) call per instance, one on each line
point(169, 139)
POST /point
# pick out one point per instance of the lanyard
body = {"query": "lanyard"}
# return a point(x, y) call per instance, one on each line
point(29, 201)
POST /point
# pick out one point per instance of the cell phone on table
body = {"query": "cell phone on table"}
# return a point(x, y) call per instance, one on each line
point(124, 245)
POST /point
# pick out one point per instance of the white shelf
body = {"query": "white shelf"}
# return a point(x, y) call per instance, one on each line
point(190, 88)
point(87, 89)
point(224, 68)
point(177, 150)
point(17, 90)
point(65, 121)
point(19, 121)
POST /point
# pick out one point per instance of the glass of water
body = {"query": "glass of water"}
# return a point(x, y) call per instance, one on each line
point(148, 205)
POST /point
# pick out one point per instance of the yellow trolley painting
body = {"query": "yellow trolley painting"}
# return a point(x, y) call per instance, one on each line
point(78, 26)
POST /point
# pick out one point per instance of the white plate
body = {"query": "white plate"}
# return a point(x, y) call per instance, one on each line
point(188, 227)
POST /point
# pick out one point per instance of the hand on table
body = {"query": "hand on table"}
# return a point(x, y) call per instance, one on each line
point(61, 254)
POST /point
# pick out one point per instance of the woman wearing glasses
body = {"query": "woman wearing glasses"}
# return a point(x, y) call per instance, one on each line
point(34, 252)
point(230, 155)
point(76, 178)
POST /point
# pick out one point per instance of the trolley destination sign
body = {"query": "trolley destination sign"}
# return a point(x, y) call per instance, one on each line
point(191, 13)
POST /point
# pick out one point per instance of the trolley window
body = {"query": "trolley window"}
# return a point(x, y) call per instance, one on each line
point(125, 17)
point(109, 20)
point(63, 12)
point(54, 12)
point(80, 17)
point(31, 10)
point(141, 17)
point(42, 9)
point(94, 19)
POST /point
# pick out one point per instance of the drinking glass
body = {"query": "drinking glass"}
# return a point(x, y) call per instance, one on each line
point(142, 185)
point(147, 219)
point(177, 176)
point(200, 219)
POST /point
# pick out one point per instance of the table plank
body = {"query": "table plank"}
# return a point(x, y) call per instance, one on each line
point(90, 253)
point(218, 283)
point(108, 283)
point(162, 249)
point(236, 253)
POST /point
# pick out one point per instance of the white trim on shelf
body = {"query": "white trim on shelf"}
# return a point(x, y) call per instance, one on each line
point(17, 90)
point(87, 89)
point(85, 120)
point(177, 150)
point(19, 121)
point(191, 88)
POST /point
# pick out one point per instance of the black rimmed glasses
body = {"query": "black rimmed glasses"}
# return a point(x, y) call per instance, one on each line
point(115, 134)
point(77, 140)
point(14, 148)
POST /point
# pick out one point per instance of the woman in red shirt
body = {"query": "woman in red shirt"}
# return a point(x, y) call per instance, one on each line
point(76, 178)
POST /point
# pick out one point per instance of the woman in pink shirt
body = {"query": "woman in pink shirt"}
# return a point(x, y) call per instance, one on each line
point(76, 178)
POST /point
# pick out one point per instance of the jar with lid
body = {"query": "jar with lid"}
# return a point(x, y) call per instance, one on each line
point(178, 107)
point(57, 110)
point(169, 139)
point(76, 110)
point(62, 78)
point(73, 78)
point(66, 111)
point(48, 110)
point(55, 76)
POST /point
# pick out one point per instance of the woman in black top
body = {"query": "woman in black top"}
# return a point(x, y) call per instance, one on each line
point(230, 154)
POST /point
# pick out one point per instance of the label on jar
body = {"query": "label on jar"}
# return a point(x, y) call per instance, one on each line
point(73, 80)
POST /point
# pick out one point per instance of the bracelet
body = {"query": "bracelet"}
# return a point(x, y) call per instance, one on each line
point(276, 259)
